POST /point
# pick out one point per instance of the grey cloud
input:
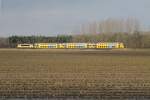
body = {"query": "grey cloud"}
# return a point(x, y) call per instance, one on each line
point(63, 16)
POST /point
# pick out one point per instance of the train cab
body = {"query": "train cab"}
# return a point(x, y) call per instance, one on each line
point(25, 46)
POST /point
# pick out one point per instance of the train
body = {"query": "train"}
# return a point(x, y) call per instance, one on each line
point(100, 45)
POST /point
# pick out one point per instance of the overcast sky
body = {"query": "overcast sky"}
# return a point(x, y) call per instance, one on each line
point(51, 17)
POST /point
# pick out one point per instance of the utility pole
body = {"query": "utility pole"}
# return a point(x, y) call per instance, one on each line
point(1, 7)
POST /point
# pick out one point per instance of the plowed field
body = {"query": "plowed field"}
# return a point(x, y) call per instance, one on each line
point(75, 73)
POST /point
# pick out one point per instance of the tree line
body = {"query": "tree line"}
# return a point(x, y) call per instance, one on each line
point(135, 40)
point(14, 40)
point(112, 25)
point(127, 31)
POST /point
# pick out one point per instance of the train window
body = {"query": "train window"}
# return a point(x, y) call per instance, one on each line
point(25, 45)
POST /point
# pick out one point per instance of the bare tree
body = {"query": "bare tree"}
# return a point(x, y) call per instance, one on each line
point(132, 25)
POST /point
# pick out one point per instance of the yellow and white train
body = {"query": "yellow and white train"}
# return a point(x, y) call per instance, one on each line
point(100, 45)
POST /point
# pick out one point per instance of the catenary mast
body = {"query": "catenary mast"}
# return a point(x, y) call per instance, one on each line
point(1, 7)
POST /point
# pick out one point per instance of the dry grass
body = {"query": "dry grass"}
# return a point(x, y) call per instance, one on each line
point(41, 73)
